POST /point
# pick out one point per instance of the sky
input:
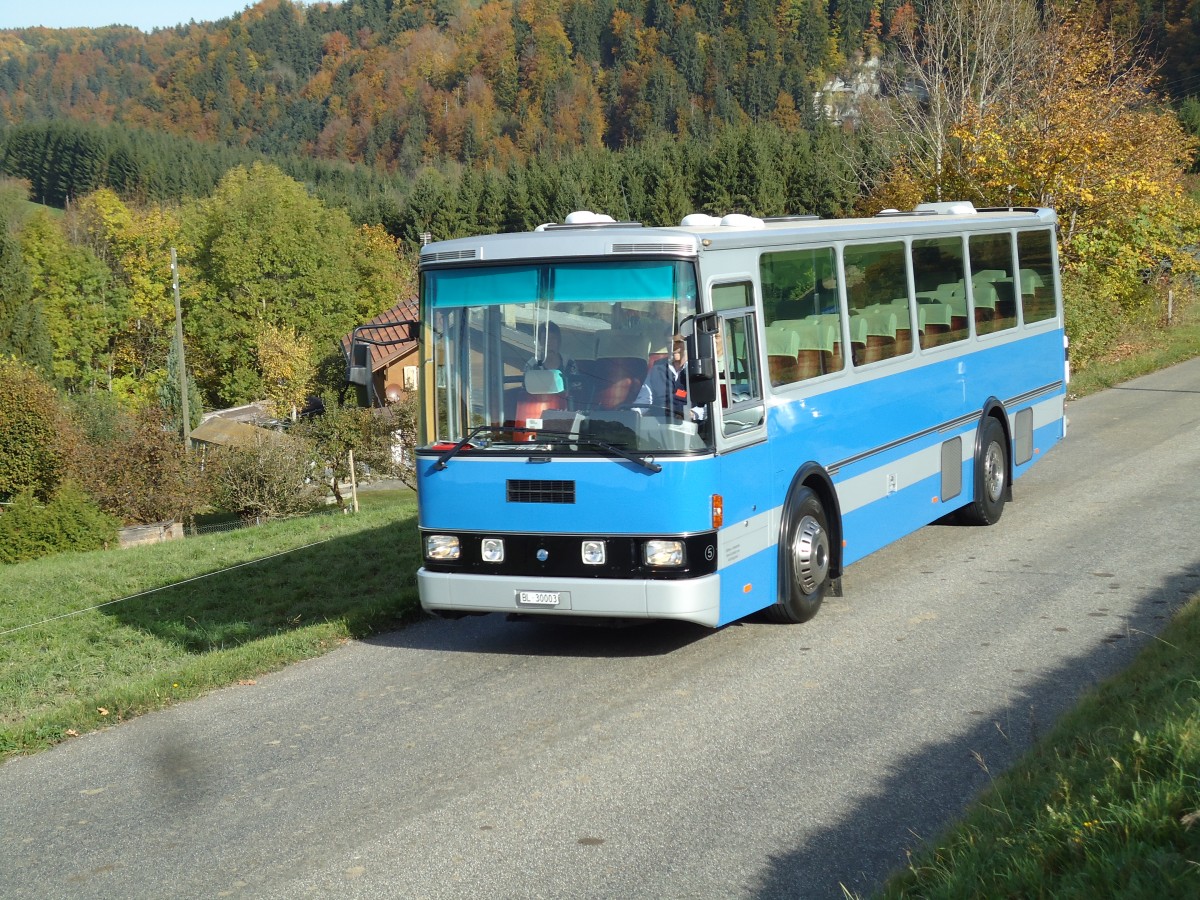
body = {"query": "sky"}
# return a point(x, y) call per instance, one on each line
point(143, 14)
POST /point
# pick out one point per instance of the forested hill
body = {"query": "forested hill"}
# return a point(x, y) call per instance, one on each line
point(400, 82)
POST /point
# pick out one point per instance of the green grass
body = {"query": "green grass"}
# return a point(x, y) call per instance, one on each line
point(1107, 805)
point(1143, 353)
point(177, 619)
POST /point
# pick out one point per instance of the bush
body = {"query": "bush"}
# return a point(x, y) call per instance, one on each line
point(1094, 318)
point(382, 440)
point(266, 480)
point(33, 433)
point(70, 521)
point(137, 470)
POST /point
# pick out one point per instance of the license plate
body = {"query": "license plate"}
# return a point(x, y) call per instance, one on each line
point(539, 598)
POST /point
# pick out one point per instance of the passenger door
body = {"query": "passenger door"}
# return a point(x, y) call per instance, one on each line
point(740, 405)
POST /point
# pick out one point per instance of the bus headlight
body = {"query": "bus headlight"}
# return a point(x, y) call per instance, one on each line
point(593, 553)
point(663, 553)
point(442, 546)
point(493, 550)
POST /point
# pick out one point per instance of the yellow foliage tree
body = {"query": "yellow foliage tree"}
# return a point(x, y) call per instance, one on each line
point(1079, 128)
point(136, 245)
point(1090, 141)
point(285, 359)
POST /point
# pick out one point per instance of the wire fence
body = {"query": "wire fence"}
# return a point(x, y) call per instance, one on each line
point(194, 530)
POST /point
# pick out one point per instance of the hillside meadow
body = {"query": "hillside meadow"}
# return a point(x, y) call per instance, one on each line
point(92, 639)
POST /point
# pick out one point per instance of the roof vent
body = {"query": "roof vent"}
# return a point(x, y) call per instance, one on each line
point(737, 220)
point(699, 220)
point(587, 217)
point(449, 255)
point(584, 218)
point(953, 208)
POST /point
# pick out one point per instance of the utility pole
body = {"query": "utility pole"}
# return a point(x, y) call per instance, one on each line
point(183, 388)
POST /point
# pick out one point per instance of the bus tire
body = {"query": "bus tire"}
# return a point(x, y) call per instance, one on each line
point(991, 477)
point(804, 562)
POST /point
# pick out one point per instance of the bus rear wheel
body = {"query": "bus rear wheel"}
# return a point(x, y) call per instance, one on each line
point(991, 478)
point(804, 562)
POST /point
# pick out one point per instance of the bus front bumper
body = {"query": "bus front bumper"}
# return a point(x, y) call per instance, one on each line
point(691, 599)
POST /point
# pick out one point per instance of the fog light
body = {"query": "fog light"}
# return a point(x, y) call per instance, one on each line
point(493, 550)
point(593, 553)
point(663, 553)
point(442, 546)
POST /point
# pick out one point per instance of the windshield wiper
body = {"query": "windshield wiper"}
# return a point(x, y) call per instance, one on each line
point(457, 448)
point(642, 460)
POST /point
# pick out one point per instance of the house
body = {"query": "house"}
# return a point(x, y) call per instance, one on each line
point(381, 355)
point(239, 426)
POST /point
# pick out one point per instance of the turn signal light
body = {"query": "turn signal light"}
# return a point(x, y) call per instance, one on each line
point(718, 510)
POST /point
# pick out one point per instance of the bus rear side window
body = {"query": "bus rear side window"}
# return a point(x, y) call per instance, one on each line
point(992, 282)
point(940, 278)
point(1036, 263)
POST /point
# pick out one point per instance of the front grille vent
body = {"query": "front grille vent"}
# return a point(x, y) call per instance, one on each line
point(526, 491)
point(684, 248)
point(450, 255)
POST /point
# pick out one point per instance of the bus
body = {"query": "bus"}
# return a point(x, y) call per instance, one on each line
point(836, 384)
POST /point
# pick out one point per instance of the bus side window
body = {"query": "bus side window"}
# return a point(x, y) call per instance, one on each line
point(877, 292)
point(1036, 273)
point(802, 314)
point(939, 273)
point(992, 287)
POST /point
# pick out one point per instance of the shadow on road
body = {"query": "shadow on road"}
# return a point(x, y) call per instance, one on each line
point(496, 633)
point(937, 783)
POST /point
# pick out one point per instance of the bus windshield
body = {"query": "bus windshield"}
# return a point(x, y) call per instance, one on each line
point(563, 357)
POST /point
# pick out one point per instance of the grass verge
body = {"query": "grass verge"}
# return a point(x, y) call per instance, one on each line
point(1107, 805)
point(1142, 354)
point(90, 639)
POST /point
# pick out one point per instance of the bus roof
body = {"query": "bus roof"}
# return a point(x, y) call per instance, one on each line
point(599, 236)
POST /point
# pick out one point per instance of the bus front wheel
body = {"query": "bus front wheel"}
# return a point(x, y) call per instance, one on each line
point(804, 563)
point(991, 478)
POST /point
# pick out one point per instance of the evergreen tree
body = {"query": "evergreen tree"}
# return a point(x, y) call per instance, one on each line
point(23, 331)
point(169, 397)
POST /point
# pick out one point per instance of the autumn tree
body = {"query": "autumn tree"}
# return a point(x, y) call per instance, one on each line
point(285, 359)
point(1092, 139)
point(1097, 144)
point(957, 58)
point(1079, 128)
point(135, 244)
point(81, 305)
point(266, 253)
point(23, 330)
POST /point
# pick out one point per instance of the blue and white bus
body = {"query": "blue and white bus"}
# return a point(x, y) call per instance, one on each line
point(845, 383)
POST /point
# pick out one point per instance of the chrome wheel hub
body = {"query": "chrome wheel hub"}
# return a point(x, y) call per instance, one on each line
point(810, 555)
point(993, 472)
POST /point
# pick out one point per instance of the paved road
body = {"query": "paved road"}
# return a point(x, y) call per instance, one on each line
point(486, 758)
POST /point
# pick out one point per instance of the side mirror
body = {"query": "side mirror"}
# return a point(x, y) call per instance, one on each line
point(544, 381)
point(702, 359)
point(358, 371)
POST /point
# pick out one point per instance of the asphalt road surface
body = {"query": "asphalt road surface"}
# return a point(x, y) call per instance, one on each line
point(484, 758)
